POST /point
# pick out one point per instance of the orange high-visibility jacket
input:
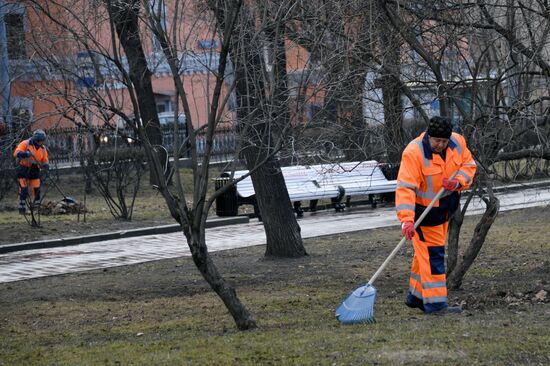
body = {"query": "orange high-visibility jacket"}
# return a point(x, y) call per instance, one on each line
point(39, 156)
point(421, 175)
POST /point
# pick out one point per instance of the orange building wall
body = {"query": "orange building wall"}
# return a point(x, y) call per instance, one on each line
point(92, 21)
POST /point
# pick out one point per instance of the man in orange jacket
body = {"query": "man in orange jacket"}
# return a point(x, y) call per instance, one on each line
point(32, 157)
point(426, 166)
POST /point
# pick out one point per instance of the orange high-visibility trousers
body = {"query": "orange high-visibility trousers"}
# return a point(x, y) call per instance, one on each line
point(24, 185)
point(427, 282)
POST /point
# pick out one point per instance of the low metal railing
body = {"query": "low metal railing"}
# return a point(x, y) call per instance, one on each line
point(66, 146)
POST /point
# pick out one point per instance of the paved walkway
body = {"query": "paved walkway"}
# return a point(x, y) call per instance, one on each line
point(109, 253)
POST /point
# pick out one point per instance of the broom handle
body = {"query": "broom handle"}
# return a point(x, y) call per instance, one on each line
point(404, 239)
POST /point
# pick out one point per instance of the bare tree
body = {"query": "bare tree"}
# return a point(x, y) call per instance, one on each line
point(357, 57)
point(192, 219)
point(263, 118)
point(390, 69)
point(484, 75)
point(116, 173)
point(126, 19)
point(7, 173)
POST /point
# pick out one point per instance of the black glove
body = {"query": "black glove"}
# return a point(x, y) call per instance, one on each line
point(23, 154)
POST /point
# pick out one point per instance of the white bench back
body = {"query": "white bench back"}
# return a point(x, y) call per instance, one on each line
point(322, 181)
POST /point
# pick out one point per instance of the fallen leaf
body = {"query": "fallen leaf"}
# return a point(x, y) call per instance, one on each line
point(541, 295)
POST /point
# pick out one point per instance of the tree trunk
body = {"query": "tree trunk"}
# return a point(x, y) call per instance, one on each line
point(125, 17)
point(282, 231)
point(227, 293)
point(345, 92)
point(350, 111)
point(454, 280)
point(391, 89)
point(281, 228)
point(393, 116)
point(284, 238)
point(455, 224)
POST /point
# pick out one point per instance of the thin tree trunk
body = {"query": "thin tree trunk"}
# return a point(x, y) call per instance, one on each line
point(455, 224)
point(350, 112)
point(243, 318)
point(454, 280)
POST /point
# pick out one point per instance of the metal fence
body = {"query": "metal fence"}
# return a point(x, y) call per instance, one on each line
point(67, 146)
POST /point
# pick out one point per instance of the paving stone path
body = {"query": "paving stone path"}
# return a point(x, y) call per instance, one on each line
point(28, 264)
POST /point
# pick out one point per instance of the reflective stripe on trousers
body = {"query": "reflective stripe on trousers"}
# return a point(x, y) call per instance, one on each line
point(34, 184)
point(427, 281)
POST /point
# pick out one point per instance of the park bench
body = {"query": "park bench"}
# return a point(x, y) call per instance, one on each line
point(312, 183)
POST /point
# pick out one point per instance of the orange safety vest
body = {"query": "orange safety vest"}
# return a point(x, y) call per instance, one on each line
point(421, 176)
point(39, 155)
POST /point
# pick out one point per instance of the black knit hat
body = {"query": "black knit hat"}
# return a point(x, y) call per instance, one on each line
point(440, 127)
point(39, 135)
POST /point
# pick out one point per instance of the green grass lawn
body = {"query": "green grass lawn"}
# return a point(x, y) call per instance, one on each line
point(163, 313)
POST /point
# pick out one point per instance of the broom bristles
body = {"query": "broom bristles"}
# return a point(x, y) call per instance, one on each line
point(358, 307)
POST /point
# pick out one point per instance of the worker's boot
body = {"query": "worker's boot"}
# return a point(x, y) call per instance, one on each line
point(448, 310)
point(414, 302)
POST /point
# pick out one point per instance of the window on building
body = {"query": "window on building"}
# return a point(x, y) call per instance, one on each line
point(15, 34)
point(161, 108)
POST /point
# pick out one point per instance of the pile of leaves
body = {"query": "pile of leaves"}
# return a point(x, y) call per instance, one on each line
point(66, 206)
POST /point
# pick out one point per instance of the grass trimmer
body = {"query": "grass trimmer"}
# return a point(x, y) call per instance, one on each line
point(358, 307)
point(65, 197)
point(46, 172)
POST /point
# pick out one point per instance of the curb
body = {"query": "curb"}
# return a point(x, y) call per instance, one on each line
point(165, 229)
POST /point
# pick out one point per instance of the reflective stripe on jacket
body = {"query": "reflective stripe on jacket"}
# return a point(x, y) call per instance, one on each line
point(421, 176)
point(39, 155)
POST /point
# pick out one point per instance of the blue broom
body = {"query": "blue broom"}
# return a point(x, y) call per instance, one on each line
point(358, 307)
